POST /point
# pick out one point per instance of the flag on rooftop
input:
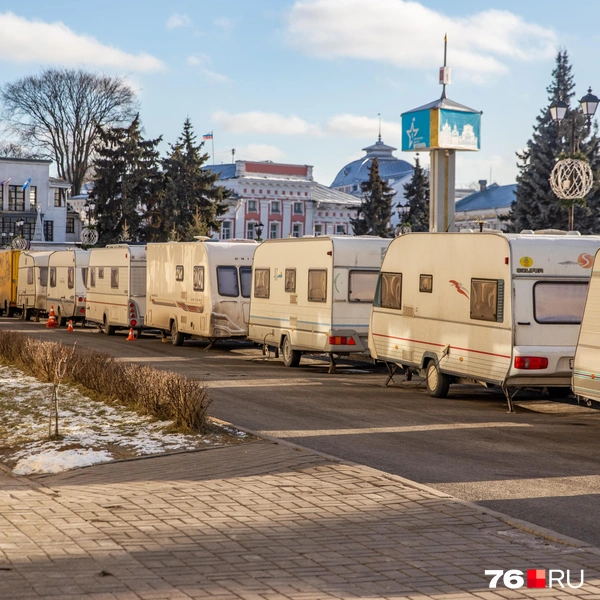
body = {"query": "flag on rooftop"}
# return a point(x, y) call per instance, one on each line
point(26, 184)
point(208, 136)
point(5, 181)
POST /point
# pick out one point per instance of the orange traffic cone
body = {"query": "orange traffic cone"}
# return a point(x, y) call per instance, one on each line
point(131, 336)
point(52, 322)
point(70, 326)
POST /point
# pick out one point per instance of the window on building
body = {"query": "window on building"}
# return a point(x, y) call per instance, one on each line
point(274, 230)
point(114, 278)
point(297, 230)
point(340, 230)
point(49, 231)
point(227, 281)
point(276, 207)
point(198, 279)
point(317, 285)
point(70, 225)
point(361, 286)
point(60, 196)
point(298, 208)
point(485, 298)
point(252, 206)
point(391, 290)
point(290, 280)
point(178, 272)
point(226, 230)
point(250, 233)
point(32, 196)
point(246, 281)
point(318, 229)
point(261, 283)
point(16, 197)
point(52, 276)
point(71, 277)
point(559, 302)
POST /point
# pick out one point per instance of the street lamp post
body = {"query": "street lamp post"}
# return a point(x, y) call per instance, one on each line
point(20, 224)
point(571, 178)
point(258, 228)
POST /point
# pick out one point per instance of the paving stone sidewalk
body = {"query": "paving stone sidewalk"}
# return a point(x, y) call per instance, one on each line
point(259, 520)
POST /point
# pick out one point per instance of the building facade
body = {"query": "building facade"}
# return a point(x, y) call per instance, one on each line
point(33, 204)
point(280, 200)
point(487, 208)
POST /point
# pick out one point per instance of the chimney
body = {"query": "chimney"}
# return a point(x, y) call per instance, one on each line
point(482, 184)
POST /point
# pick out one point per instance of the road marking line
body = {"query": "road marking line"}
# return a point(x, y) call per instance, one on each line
point(254, 383)
point(151, 359)
point(299, 433)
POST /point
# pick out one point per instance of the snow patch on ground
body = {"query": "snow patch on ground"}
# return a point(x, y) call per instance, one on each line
point(55, 461)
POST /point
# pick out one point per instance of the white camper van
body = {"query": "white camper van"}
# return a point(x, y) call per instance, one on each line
point(116, 287)
point(199, 289)
point(314, 294)
point(32, 284)
point(496, 308)
point(586, 371)
point(67, 273)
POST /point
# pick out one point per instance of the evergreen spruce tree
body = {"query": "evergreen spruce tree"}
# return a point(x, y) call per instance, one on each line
point(416, 192)
point(127, 183)
point(375, 211)
point(190, 201)
point(535, 205)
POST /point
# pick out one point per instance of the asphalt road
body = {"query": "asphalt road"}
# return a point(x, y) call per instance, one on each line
point(541, 464)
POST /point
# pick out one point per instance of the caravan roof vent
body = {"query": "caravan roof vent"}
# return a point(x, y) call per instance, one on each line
point(573, 233)
point(201, 238)
point(527, 232)
point(466, 230)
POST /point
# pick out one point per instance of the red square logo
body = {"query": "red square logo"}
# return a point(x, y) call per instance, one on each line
point(536, 578)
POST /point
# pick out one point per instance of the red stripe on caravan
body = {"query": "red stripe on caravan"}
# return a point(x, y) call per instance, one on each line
point(393, 337)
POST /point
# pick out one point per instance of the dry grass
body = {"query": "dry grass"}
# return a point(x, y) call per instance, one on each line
point(163, 394)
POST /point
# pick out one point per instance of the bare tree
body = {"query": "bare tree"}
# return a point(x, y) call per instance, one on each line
point(59, 112)
point(10, 149)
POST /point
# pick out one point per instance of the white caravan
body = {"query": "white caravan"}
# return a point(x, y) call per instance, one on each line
point(116, 287)
point(496, 308)
point(67, 274)
point(586, 371)
point(32, 284)
point(314, 294)
point(199, 289)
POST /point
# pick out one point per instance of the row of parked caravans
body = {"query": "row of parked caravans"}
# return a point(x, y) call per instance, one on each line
point(501, 309)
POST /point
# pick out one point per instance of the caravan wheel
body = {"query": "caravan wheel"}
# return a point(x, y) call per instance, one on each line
point(107, 328)
point(176, 336)
point(438, 383)
point(291, 358)
point(62, 321)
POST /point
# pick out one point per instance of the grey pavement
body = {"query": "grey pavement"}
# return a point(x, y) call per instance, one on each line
point(261, 520)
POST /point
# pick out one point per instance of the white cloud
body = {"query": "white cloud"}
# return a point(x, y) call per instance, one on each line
point(34, 41)
point(363, 127)
point(202, 61)
point(176, 20)
point(410, 35)
point(258, 152)
point(262, 122)
point(224, 23)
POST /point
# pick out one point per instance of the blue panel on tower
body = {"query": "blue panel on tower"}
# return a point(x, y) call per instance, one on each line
point(416, 131)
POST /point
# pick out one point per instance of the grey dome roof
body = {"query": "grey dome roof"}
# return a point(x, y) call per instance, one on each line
point(494, 196)
point(357, 171)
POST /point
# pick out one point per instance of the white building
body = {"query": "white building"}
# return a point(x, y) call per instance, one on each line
point(283, 199)
point(30, 197)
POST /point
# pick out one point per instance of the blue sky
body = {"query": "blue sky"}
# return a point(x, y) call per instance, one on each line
point(303, 81)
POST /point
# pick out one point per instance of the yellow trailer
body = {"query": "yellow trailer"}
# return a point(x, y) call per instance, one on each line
point(9, 270)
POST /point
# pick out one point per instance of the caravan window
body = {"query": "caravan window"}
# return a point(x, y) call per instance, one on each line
point(179, 273)
point(29, 275)
point(71, 278)
point(426, 283)
point(84, 275)
point(361, 286)
point(391, 290)
point(290, 280)
point(43, 276)
point(485, 300)
point(261, 283)
point(52, 276)
point(246, 280)
point(100, 272)
point(227, 281)
point(198, 279)
point(317, 285)
point(93, 277)
point(560, 302)
point(114, 278)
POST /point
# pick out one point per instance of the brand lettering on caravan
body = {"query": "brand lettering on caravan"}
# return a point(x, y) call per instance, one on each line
point(533, 578)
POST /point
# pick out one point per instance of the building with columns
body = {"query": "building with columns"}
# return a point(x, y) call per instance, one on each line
point(284, 198)
point(33, 204)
